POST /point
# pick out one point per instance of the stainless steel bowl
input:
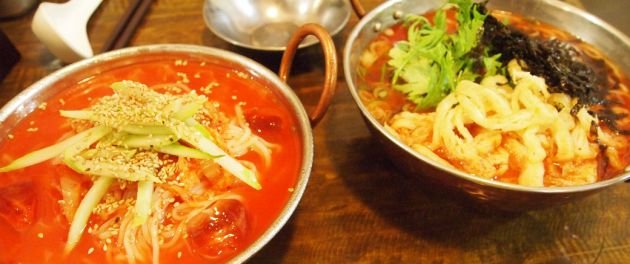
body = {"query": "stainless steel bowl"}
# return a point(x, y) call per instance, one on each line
point(268, 24)
point(28, 100)
point(507, 196)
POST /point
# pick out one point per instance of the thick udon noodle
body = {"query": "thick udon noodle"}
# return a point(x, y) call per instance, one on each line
point(509, 128)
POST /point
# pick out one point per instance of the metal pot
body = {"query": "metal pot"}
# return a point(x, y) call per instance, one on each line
point(506, 196)
point(28, 100)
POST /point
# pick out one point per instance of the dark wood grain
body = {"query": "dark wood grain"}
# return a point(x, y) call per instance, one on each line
point(358, 207)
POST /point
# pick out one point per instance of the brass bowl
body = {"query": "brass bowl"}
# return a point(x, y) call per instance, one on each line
point(28, 100)
point(614, 44)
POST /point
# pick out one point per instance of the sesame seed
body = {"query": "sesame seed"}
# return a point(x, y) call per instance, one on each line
point(179, 254)
point(183, 76)
point(108, 241)
point(32, 129)
point(105, 247)
point(40, 235)
point(42, 106)
point(62, 102)
point(90, 251)
point(203, 63)
point(197, 76)
point(291, 189)
point(181, 62)
point(242, 75)
point(11, 136)
point(208, 88)
point(234, 97)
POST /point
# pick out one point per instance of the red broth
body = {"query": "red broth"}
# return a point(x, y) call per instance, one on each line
point(32, 226)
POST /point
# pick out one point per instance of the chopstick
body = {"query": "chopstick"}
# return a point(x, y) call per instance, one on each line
point(130, 21)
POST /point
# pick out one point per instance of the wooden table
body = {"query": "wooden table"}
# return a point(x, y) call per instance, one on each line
point(358, 207)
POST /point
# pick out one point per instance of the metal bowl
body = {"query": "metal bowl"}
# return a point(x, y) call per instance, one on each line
point(28, 100)
point(507, 196)
point(268, 24)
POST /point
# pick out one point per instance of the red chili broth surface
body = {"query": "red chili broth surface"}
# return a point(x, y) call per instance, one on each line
point(33, 228)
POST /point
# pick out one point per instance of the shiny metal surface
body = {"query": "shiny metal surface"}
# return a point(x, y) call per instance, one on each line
point(28, 100)
point(502, 195)
point(268, 24)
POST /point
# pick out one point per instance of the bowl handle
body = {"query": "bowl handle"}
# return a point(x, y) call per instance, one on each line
point(330, 55)
point(358, 8)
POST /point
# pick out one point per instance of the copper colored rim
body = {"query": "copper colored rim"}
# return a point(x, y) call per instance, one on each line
point(330, 56)
point(358, 8)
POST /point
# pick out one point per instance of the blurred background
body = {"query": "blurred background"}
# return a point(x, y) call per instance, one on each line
point(614, 12)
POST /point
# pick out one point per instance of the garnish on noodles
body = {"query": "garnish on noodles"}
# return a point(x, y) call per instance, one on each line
point(130, 136)
point(130, 172)
point(498, 96)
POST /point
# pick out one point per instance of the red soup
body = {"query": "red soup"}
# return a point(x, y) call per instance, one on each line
point(165, 194)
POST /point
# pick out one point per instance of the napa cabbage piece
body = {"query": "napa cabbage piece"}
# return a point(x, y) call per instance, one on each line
point(430, 63)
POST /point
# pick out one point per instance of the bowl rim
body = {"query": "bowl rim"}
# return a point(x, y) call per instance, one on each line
point(305, 43)
point(349, 73)
point(293, 103)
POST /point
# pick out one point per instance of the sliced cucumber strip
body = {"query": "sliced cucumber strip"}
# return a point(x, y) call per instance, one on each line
point(183, 151)
point(148, 141)
point(143, 202)
point(146, 129)
point(50, 152)
point(87, 205)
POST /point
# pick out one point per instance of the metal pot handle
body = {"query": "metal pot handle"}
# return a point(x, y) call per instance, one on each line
point(330, 55)
point(358, 8)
